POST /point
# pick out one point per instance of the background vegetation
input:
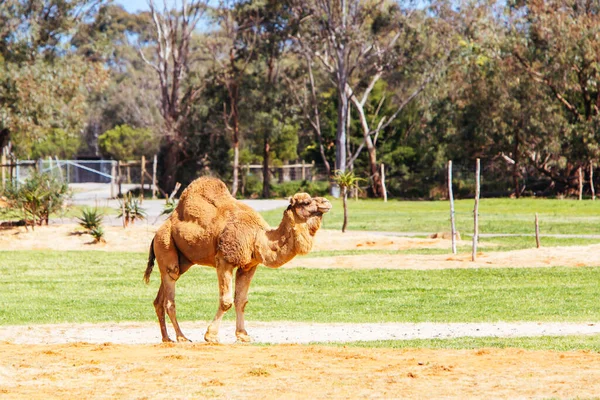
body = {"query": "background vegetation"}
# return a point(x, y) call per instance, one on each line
point(349, 85)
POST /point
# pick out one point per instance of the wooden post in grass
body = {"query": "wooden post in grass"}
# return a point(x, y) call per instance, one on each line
point(383, 182)
point(113, 175)
point(537, 231)
point(592, 180)
point(154, 179)
point(580, 183)
point(476, 210)
point(142, 173)
point(3, 162)
point(451, 197)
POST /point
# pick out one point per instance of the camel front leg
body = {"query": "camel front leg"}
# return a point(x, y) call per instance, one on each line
point(242, 284)
point(225, 275)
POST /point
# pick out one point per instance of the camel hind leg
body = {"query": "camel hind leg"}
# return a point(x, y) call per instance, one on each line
point(171, 265)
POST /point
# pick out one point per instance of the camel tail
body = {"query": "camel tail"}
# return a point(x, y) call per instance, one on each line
point(151, 258)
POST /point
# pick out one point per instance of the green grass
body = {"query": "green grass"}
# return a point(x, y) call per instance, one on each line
point(557, 343)
point(495, 216)
point(54, 287)
point(487, 245)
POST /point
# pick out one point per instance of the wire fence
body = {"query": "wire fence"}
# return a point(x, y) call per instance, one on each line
point(497, 180)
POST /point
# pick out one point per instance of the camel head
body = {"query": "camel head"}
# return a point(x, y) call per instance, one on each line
point(306, 208)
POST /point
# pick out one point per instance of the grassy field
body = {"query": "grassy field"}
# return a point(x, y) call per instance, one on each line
point(495, 216)
point(54, 287)
point(557, 343)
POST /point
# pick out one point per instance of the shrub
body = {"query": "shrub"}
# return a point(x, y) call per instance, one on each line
point(98, 234)
point(39, 196)
point(130, 209)
point(170, 206)
point(287, 189)
point(90, 218)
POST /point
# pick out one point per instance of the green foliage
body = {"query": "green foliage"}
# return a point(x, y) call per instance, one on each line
point(126, 143)
point(130, 209)
point(98, 234)
point(170, 206)
point(90, 218)
point(39, 196)
point(47, 101)
point(288, 189)
point(56, 143)
point(346, 181)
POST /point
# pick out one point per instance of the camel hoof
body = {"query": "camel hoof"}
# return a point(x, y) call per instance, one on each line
point(211, 338)
point(181, 339)
point(243, 337)
point(167, 340)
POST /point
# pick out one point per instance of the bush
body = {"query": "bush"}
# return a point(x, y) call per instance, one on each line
point(288, 189)
point(130, 209)
point(90, 218)
point(98, 234)
point(39, 196)
point(124, 142)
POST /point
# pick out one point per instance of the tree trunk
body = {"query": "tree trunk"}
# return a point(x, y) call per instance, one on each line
point(266, 172)
point(340, 136)
point(376, 186)
point(170, 161)
point(236, 167)
point(516, 166)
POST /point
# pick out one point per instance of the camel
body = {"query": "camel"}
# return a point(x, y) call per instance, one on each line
point(210, 227)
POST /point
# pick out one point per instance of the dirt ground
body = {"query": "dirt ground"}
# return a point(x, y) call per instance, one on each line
point(89, 371)
point(138, 238)
point(141, 371)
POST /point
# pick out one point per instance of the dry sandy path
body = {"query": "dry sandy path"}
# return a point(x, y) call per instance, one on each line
point(286, 332)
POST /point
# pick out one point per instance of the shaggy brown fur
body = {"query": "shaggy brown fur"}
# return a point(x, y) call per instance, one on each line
point(209, 227)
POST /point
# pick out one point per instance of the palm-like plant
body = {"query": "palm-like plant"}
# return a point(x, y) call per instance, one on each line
point(130, 209)
point(90, 218)
point(346, 180)
point(98, 234)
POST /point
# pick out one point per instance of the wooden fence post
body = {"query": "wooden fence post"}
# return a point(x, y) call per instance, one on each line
point(537, 231)
point(142, 172)
point(383, 182)
point(154, 178)
point(451, 197)
point(592, 180)
point(580, 183)
point(119, 177)
point(3, 161)
point(113, 174)
point(303, 171)
point(476, 211)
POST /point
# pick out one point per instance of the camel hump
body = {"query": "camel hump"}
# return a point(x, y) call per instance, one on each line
point(210, 189)
point(202, 198)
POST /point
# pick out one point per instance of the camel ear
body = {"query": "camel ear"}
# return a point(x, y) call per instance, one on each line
point(292, 200)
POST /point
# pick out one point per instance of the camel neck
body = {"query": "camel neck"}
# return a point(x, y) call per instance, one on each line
point(286, 241)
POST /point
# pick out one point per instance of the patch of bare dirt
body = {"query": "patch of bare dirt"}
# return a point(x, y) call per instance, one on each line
point(90, 371)
point(138, 238)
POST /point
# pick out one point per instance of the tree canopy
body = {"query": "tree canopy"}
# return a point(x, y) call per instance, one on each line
point(347, 85)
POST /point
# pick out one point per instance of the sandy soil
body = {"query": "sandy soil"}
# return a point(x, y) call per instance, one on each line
point(138, 238)
point(91, 371)
point(117, 361)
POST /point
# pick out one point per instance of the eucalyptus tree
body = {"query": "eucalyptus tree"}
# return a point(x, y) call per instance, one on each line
point(44, 84)
point(556, 43)
point(168, 53)
point(232, 48)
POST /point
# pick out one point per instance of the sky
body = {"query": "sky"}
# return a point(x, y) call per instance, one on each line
point(133, 5)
